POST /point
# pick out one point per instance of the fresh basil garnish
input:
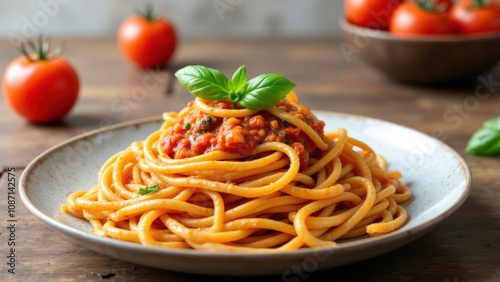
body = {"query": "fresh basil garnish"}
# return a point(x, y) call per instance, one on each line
point(259, 93)
point(264, 91)
point(203, 82)
point(148, 189)
point(239, 79)
point(486, 141)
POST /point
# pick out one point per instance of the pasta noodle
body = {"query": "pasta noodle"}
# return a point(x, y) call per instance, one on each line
point(277, 194)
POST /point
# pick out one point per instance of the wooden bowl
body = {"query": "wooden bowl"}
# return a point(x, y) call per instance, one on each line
point(422, 59)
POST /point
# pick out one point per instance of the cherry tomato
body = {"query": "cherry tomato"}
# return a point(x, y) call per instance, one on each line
point(373, 14)
point(471, 16)
point(413, 18)
point(146, 40)
point(40, 89)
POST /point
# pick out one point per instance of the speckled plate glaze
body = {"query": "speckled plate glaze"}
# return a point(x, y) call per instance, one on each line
point(439, 178)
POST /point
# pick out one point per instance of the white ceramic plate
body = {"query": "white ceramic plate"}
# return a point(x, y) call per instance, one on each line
point(438, 177)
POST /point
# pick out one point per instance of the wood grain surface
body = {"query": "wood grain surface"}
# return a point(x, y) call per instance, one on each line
point(465, 247)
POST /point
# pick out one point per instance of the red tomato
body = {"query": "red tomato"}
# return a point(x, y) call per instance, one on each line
point(147, 43)
point(470, 18)
point(373, 14)
point(411, 19)
point(40, 91)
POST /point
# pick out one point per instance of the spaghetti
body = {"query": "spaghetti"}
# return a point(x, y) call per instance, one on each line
point(243, 180)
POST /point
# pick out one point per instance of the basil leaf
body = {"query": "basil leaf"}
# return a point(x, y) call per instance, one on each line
point(486, 141)
point(148, 189)
point(492, 123)
point(233, 96)
point(203, 82)
point(239, 79)
point(265, 91)
point(259, 93)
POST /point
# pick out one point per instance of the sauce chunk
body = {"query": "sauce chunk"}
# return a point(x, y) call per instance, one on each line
point(197, 133)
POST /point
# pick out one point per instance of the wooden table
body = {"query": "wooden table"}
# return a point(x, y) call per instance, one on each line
point(466, 247)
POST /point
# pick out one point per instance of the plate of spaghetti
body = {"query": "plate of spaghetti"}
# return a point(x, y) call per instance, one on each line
point(240, 184)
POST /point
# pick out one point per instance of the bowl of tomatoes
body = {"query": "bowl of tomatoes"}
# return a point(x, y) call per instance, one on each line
point(421, 41)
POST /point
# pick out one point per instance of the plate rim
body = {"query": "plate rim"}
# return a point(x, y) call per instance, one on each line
point(377, 240)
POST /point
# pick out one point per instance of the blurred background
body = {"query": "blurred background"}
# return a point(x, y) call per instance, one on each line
point(193, 18)
point(299, 39)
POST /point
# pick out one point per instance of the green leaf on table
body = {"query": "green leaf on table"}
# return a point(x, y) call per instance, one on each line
point(486, 141)
point(492, 123)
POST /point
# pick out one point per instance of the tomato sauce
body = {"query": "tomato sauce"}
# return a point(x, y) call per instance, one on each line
point(198, 133)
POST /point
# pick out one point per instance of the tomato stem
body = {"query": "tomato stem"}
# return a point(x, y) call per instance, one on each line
point(480, 3)
point(41, 54)
point(41, 48)
point(22, 50)
point(430, 6)
point(148, 13)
